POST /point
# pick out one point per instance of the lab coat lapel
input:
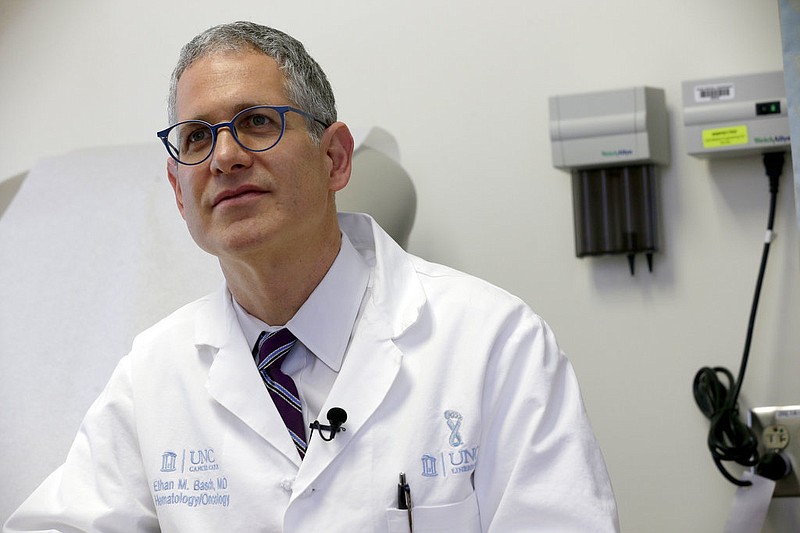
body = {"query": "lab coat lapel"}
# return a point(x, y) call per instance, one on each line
point(370, 369)
point(233, 380)
point(373, 360)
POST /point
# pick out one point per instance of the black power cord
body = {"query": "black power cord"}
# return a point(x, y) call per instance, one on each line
point(729, 439)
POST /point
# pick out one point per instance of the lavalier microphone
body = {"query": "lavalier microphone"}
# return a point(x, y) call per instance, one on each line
point(336, 418)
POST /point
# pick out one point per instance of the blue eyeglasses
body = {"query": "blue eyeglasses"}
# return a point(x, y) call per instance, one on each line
point(257, 129)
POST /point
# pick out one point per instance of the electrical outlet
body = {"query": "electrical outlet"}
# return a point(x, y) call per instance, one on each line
point(778, 429)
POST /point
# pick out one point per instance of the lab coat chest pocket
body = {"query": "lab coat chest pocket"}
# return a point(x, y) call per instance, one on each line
point(460, 517)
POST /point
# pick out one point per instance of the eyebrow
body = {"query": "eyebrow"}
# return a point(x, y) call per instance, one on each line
point(237, 109)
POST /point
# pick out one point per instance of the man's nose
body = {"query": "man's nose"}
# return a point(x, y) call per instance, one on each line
point(228, 154)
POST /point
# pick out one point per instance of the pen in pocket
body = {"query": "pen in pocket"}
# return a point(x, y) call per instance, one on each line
point(404, 499)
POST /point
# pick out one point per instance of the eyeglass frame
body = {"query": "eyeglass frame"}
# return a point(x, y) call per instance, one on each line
point(280, 109)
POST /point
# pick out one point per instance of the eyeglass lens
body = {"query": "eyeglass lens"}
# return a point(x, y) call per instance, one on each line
point(256, 129)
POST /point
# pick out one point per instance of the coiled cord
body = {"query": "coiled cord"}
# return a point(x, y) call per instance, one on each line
point(729, 439)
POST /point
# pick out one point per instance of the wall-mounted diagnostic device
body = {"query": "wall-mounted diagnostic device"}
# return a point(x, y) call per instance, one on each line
point(611, 142)
point(736, 115)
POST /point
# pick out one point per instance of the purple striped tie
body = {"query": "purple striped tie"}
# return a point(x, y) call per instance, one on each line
point(269, 352)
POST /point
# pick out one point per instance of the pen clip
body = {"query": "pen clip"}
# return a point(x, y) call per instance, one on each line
point(404, 499)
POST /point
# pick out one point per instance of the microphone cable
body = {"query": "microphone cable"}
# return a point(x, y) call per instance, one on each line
point(729, 439)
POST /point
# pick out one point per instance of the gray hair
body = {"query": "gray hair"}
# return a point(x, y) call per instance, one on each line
point(305, 82)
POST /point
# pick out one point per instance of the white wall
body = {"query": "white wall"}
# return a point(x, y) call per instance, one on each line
point(463, 86)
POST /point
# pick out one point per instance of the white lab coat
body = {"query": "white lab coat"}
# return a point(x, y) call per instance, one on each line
point(447, 378)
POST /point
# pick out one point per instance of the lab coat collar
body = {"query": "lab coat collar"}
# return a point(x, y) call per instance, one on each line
point(216, 320)
point(397, 294)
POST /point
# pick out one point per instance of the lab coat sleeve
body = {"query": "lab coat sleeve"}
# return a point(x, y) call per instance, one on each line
point(540, 466)
point(102, 485)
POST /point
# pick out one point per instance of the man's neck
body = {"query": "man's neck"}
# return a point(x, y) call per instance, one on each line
point(273, 287)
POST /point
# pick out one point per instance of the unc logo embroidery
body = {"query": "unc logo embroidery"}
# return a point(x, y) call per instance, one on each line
point(168, 461)
point(461, 458)
point(454, 423)
point(429, 466)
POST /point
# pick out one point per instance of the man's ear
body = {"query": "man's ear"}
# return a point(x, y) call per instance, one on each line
point(172, 174)
point(338, 144)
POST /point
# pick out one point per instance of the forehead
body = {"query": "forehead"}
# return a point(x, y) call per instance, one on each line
point(222, 83)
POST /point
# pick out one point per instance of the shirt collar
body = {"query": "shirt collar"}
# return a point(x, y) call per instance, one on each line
point(325, 321)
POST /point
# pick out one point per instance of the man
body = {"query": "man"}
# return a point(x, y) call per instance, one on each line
point(450, 405)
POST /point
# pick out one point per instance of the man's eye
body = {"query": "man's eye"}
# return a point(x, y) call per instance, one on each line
point(197, 136)
point(258, 121)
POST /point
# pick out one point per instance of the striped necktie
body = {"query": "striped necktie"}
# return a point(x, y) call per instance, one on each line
point(269, 353)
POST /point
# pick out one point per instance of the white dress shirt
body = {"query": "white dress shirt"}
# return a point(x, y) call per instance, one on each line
point(323, 326)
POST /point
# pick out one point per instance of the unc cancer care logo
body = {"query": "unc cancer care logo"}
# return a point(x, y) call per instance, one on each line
point(458, 459)
point(192, 478)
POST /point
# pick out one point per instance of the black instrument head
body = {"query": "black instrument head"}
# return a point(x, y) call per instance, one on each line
point(336, 416)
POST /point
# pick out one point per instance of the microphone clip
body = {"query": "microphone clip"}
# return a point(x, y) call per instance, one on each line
point(336, 417)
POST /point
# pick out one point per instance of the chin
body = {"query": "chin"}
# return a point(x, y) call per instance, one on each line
point(240, 242)
point(232, 237)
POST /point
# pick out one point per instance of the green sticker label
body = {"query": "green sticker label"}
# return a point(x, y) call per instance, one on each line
point(729, 136)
